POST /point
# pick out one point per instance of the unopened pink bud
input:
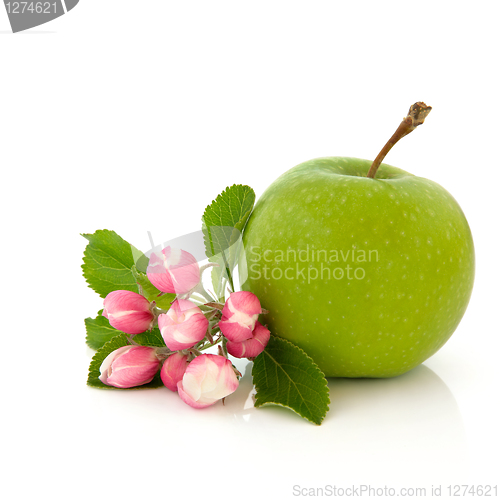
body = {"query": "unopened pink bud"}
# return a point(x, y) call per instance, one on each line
point(183, 325)
point(173, 270)
point(129, 366)
point(128, 311)
point(173, 370)
point(207, 379)
point(239, 315)
point(250, 348)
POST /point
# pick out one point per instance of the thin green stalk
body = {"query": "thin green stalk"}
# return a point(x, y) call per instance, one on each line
point(229, 276)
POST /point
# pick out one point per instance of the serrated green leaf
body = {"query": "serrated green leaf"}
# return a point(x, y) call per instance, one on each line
point(151, 292)
point(99, 331)
point(285, 375)
point(152, 338)
point(107, 262)
point(222, 224)
point(225, 218)
point(95, 365)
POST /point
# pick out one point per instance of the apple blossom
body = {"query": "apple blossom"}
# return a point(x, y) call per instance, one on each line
point(239, 315)
point(173, 270)
point(129, 366)
point(183, 325)
point(252, 347)
point(173, 370)
point(128, 311)
point(207, 379)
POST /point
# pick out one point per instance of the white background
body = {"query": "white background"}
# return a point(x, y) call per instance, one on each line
point(133, 116)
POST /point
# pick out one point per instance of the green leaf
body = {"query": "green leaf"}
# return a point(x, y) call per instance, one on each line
point(150, 291)
point(222, 224)
point(229, 211)
point(107, 262)
point(152, 338)
point(99, 331)
point(285, 375)
point(95, 365)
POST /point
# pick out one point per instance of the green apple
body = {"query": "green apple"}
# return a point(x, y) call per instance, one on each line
point(370, 276)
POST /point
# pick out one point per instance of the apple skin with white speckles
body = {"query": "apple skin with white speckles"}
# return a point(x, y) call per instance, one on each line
point(369, 276)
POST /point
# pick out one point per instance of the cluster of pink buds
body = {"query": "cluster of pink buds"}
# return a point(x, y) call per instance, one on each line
point(246, 337)
point(200, 379)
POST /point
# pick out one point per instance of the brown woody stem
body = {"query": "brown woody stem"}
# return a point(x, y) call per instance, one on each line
point(416, 116)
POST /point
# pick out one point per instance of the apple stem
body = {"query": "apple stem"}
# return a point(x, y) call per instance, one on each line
point(416, 115)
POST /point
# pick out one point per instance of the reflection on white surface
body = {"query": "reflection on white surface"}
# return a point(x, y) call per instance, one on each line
point(409, 426)
point(403, 431)
point(396, 430)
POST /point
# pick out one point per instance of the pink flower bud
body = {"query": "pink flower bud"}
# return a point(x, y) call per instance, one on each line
point(183, 325)
point(250, 348)
point(239, 315)
point(173, 370)
point(128, 311)
point(207, 379)
point(129, 366)
point(173, 270)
